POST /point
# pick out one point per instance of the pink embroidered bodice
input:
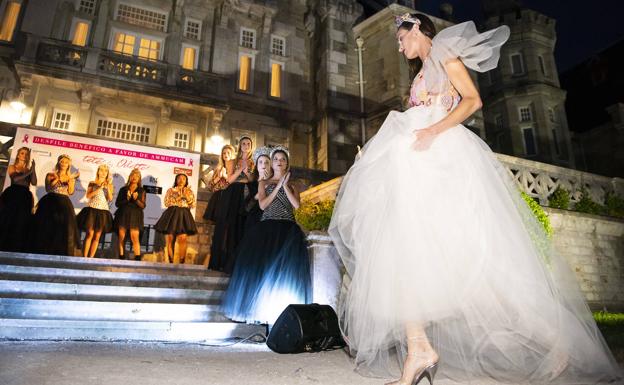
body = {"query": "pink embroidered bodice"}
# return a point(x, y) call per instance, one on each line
point(419, 96)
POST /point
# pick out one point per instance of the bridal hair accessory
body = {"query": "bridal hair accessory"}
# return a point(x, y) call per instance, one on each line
point(406, 18)
point(262, 151)
point(63, 156)
point(282, 149)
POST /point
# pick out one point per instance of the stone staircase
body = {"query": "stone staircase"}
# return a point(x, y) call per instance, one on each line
point(49, 297)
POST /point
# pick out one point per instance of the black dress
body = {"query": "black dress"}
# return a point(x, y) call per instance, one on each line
point(16, 204)
point(229, 228)
point(177, 218)
point(272, 268)
point(129, 214)
point(96, 215)
point(54, 229)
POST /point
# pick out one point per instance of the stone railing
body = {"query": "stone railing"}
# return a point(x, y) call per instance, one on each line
point(59, 53)
point(132, 68)
point(114, 65)
point(538, 180)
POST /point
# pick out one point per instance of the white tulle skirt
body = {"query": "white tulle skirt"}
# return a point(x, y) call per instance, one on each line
point(443, 238)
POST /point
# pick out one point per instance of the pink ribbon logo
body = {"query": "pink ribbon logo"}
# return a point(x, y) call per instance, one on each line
point(25, 140)
point(190, 163)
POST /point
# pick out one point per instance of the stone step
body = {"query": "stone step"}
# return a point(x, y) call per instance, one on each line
point(106, 293)
point(216, 281)
point(44, 329)
point(101, 264)
point(53, 309)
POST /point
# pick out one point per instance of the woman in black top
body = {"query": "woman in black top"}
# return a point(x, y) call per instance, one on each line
point(129, 215)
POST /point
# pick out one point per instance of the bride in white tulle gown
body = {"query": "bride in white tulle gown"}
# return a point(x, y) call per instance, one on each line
point(450, 272)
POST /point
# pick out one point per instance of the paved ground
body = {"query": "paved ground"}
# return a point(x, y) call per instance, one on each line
point(87, 363)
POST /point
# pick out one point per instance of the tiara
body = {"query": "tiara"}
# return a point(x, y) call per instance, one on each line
point(245, 137)
point(405, 18)
point(261, 151)
point(62, 156)
point(282, 149)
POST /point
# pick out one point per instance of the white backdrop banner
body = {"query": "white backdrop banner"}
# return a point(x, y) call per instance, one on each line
point(158, 166)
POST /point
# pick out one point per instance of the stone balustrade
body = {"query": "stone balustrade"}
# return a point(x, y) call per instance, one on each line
point(538, 180)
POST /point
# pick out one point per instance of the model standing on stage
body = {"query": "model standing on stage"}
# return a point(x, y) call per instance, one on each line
point(272, 267)
point(130, 203)
point(177, 222)
point(262, 171)
point(96, 218)
point(16, 202)
point(450, 271)
point(54, 229)
point(230, 214)
point(219, 181)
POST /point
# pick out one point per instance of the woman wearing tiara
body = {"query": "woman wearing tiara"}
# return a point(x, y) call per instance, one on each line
point(96, 217)
point(230, 214)
point(54, 229)
point(218, 181)
point(272, 268)
point(262, 171)
point(16, 202)
point(450, 271)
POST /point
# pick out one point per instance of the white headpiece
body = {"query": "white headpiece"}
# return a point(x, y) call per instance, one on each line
point(261, 151)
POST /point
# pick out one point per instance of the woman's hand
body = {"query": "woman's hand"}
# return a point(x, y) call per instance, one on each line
point(424, 138)
point(135, 195)
point(75, 175)
point(64, 178)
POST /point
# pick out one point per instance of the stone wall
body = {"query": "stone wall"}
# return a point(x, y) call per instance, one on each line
point(594, 247)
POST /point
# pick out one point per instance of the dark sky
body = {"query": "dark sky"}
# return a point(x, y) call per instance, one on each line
point(583, 27)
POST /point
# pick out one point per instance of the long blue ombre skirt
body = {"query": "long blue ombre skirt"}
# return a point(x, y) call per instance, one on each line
point(272, 271)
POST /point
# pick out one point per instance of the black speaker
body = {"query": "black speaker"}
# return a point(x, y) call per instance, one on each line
point(305, 328)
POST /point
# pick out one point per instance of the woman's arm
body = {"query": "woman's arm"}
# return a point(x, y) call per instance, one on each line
point(470, 102)
point(92, 189)
point(122, 197)
point(190, 197)
point(51, 180)
point(33, 174)
point(291, 193)
point(71, 184)
point(141, 200)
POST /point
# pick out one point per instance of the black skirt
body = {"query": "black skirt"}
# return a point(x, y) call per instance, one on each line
point(16, 204)
point(272, 271)
point(54, 228)
point(90, 218)
point(211, 210)
point(128, 217)
point(230, 217)
point(176, 220)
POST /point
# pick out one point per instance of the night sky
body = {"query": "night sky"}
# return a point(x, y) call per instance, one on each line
point(583, 27)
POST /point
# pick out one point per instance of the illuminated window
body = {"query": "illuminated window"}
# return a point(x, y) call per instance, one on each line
point(192, 29)
point(9, 21)
point(149, 49)
point(81, 31)
point(189, 57)
point(124, 43)
point(278, 46)
point(181, 139)
point(244, 73)
point(248, 38)
point(142, 17)
point(276, 80)
point(87, 6)
point(118, 129)
point(61, 120)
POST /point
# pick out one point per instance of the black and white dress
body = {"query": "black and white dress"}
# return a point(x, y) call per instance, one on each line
point(272, 268)
point(96, 216)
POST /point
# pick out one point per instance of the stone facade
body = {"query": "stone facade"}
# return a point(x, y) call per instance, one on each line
point(594, 248)
point(523, 102)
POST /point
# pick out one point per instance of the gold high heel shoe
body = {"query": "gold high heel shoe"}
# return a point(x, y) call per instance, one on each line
point(427, 372)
